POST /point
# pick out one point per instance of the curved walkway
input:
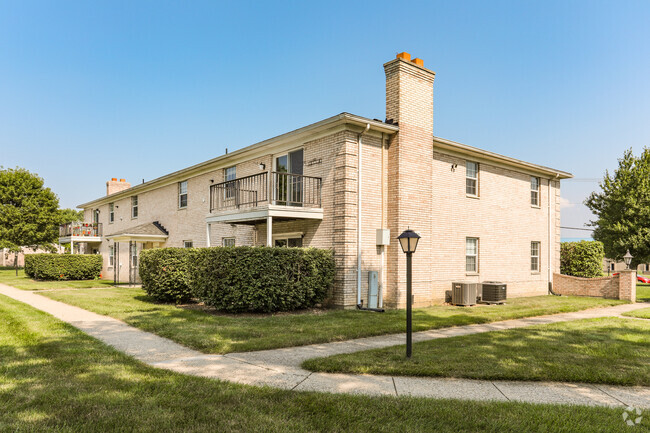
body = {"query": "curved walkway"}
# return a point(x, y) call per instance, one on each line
point(280, 368)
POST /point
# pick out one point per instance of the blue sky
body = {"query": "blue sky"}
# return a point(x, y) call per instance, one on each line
point(137, 89)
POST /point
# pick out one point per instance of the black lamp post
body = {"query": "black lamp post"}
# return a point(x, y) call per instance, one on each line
point(409, 242)
point(628, 259)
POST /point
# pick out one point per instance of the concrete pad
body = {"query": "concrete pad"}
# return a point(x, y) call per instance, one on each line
point(447, 388)
point(635, 396)
point(558, 393)
point(348, 384)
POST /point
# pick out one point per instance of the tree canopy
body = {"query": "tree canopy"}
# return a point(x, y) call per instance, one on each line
point(29, 215)
point(71, 215)
point(622, 209)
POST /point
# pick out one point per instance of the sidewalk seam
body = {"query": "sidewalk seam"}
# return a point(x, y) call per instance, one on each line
point(498, 389)
point(606, 393)
point(306, 377)
point(395, 386)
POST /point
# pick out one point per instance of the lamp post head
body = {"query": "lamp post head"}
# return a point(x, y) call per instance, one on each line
point(409, 241)
point(628, 259)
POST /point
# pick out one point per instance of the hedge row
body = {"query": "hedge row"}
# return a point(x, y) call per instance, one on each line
point(63, 266)
point(239, 279)
point(582, 259)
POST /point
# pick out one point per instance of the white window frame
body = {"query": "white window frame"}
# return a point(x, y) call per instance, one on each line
point(182, 194)
point(227, 240)
point(111, 255)
point(111, 213)
point(535, 262)
point(188, 244)
point(133, 254)
point(474, 179)
point(474, 255)
point(134, 207)
point(534, 193)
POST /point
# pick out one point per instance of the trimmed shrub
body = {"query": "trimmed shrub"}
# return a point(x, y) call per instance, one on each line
point(63, 266)
point(582, 259)
point(260, 279)
point(163, 272)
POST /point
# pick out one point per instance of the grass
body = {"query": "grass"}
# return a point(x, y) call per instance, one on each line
point(606, 350)
point(643, 313)
point(220, 333)
point(8, 276)
point(642, 292)
point(54, 378)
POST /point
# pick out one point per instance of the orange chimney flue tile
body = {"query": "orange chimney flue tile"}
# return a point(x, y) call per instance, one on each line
point(114, 179)
point(122, 180)
point(404, 56)
point(418, 62)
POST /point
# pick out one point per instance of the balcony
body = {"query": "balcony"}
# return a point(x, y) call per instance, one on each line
point(268, 194)
point(80, 232)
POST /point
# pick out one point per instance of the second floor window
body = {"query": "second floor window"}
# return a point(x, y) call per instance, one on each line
point(534, 256)
point(471, 178)
point(182, 194)
point(111, 213)
point(534, 191)
point(471, 254)
point(134, 206)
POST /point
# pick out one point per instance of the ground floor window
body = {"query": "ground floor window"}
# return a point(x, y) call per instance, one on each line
point(228, 242)
point(188, 244)
point(471, 254)
point(111, 255)
point(288, 242)
point(534, 256)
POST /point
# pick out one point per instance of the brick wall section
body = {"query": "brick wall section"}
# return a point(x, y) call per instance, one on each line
point(622, 286)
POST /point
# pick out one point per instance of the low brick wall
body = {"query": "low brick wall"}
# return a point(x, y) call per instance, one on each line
point(622, 286)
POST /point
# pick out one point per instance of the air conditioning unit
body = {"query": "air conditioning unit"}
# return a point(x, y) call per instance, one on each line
point(463, 293)
point(494, 292)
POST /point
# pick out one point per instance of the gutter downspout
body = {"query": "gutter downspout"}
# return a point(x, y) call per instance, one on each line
point(550, 241)
point(360, 142)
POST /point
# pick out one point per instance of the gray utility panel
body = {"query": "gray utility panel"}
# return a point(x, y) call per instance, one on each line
point(464, 293)
point(373, 289)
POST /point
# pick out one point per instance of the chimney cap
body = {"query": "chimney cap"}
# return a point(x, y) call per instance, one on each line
point(418, 62)
point(404, 56)
point(114, 179)
point(122, 180)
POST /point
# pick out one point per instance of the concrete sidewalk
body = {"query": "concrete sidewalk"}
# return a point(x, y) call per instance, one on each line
point(280, 368)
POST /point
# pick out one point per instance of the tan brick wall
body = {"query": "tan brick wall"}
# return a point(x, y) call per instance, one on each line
point(622, 286)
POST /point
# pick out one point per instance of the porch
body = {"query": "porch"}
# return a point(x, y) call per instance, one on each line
point(265, 196)
point(73, 232)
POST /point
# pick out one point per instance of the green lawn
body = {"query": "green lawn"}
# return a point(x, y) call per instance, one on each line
point(643, 313)
point(53, 378)
point(642, 292)
point(606, 350)
point(214, 333)
point(8, 276)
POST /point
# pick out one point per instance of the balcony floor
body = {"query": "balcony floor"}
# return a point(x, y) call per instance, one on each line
point(89, 239)
point(260, 213)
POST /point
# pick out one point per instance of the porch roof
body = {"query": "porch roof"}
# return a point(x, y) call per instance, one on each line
point(150, 232)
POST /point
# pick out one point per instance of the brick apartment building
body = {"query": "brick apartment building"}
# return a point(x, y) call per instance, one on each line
point(352, 185)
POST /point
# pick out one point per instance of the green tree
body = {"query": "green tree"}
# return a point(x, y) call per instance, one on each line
point(622, 208)
point(70, 215)
point(29, 214)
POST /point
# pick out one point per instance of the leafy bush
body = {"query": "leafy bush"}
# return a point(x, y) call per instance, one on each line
point(163, 272)
point(260, 279)
point(63, 266)
point(582, 259)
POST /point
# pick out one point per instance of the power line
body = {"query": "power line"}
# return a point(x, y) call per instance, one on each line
point(577, 228)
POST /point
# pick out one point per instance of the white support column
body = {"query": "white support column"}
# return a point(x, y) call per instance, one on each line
point(71, 245)
point(207, 234)
point(269, 231)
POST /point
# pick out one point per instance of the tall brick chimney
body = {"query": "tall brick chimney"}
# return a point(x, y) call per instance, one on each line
point(113, 186)
point(409, 103)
